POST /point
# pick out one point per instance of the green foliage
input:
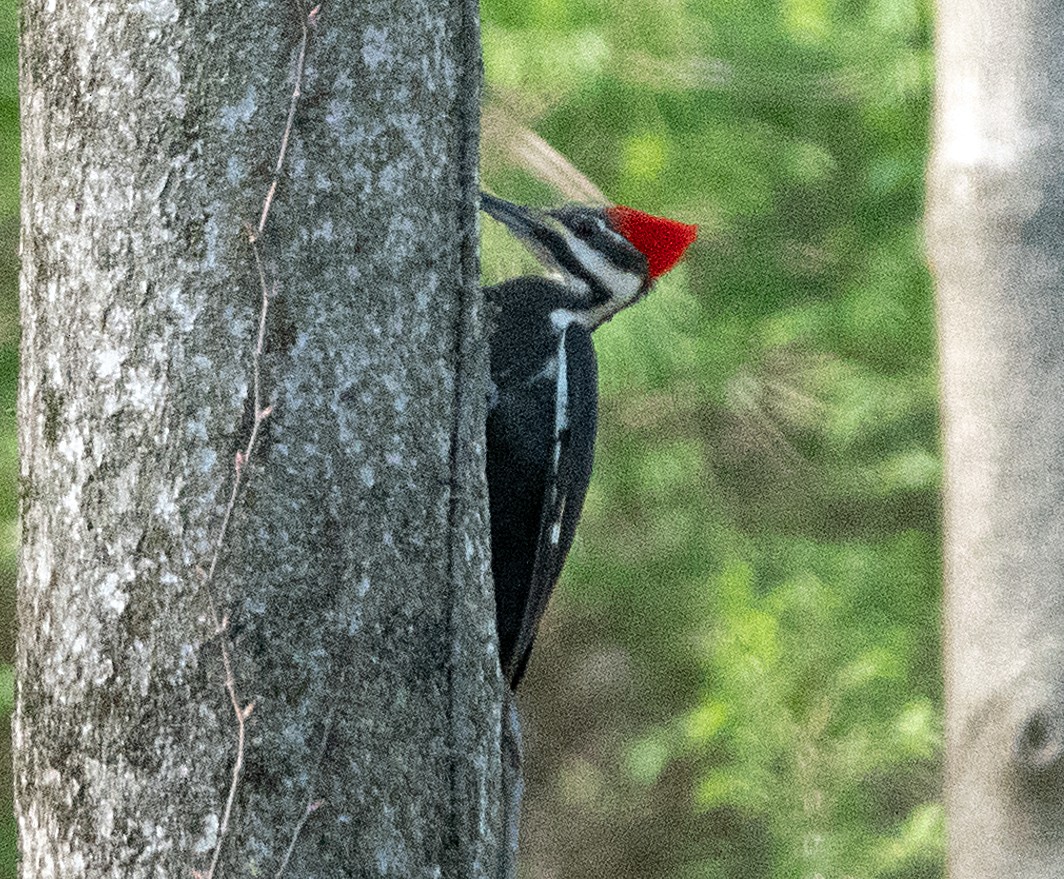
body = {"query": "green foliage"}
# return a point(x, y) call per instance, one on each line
point(740, 675)
point(808, 715)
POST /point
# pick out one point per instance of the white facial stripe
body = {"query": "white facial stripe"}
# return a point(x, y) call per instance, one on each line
point(578, 285)
point(623, 286)
point(621, 240)
point(562, 317)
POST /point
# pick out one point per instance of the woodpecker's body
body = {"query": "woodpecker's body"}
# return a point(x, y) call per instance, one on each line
point(546, 399)
point(544, 408)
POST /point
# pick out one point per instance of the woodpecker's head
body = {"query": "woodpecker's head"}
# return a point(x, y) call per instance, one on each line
point(606, 258)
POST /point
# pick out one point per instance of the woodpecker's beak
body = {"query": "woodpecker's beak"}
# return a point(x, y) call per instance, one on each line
point(530, 227)
point(519, 220)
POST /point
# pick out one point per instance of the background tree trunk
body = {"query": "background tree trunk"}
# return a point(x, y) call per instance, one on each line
point(997, 242)
point(352, 576)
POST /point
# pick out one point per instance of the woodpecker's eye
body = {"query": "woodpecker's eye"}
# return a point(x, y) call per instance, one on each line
point(585, 226)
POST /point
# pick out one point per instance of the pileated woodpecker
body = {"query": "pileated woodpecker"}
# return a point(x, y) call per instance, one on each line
point(544, 403)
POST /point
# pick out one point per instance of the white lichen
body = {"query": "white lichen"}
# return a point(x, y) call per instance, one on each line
point(376, 47)
point(209, 836)
point(232, 115)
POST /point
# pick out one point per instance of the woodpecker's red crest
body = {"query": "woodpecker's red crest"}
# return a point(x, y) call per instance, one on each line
point(660, 240)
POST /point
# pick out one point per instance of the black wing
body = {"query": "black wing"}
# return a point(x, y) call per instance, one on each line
point(569, 472)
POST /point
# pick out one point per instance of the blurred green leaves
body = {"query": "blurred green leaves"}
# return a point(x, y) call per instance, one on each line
point(743, 656)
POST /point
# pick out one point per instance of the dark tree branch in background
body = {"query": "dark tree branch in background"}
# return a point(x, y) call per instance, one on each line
point(996, 231)
point(349, 582)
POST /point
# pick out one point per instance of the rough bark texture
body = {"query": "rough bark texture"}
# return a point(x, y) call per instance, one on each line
point(354, 572)
point(997, 242)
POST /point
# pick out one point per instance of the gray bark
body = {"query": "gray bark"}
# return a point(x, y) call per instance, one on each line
point(996, 230)
point(353, 575)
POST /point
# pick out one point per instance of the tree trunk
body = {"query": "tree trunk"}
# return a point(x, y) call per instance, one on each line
point(996, 232)
point(316, 647)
